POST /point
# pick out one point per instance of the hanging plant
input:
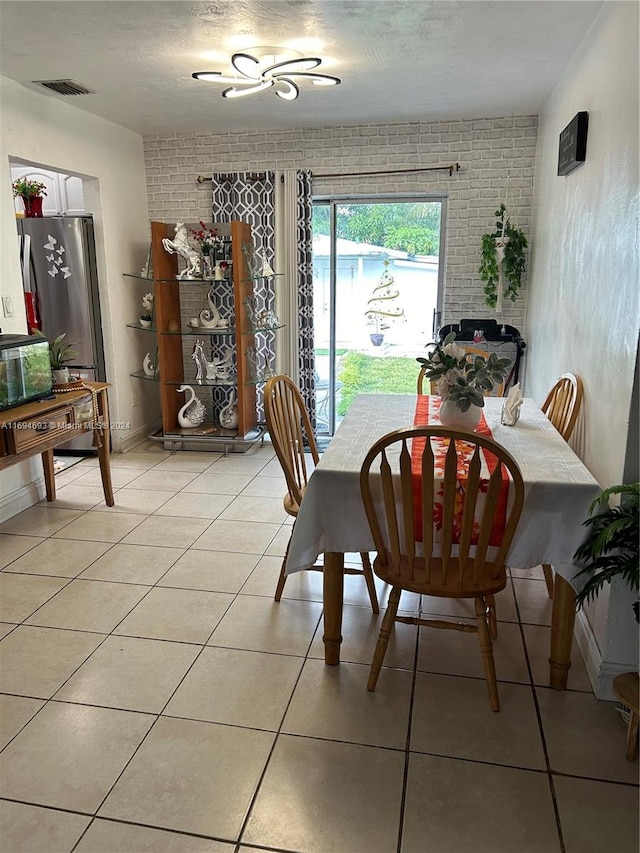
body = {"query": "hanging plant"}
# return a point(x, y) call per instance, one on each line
point(503, 262)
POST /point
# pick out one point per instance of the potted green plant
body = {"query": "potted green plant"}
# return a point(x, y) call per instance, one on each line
point(462, 379)
point(612, 547)
point(503, 262)
point(31, 193)
point(60, 354)
point(383, 307)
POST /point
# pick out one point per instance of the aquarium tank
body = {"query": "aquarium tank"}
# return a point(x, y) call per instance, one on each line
point(25, 370)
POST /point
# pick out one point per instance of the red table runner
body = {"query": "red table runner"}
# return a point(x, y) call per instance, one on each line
point(427, 414)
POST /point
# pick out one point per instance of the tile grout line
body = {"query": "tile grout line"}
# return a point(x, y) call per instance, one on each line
point(552, 789)
point(278, 732)
point(158, 715)
point(407, 750)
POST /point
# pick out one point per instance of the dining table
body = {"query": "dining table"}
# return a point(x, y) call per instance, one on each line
point(558, 492)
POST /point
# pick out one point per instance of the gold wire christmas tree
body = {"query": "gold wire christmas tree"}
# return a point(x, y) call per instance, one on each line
point(383, 302)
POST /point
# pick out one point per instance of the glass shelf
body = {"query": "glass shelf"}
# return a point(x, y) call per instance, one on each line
point(141, 328)
point(179, 280)
point(260, 277)
point(260, 381)
point(140, 374)
point(207, 429)
point(203, 331)
point(254, 331)
point(202, 383)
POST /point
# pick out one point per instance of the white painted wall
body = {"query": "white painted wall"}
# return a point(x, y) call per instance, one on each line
point(46, 131)
point(583, 312)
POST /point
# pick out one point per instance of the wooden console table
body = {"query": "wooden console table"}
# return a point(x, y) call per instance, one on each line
point(40, 427)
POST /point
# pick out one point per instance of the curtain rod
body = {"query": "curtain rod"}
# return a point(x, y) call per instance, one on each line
point(453, 167)
point(255, 176)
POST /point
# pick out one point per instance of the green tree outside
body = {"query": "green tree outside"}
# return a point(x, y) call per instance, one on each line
point(408, 227)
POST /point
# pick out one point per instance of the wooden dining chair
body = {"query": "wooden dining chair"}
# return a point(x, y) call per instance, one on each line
point(562, 407)
point(497, 390)
point(287, 421)
point(420, 384)
point(467, 558)
point(563, 402)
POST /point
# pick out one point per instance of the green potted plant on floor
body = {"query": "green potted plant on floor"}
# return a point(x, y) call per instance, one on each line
point(503, 262)
point(612, 547)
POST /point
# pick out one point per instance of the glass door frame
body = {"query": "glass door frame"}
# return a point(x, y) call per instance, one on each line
point(332, 202)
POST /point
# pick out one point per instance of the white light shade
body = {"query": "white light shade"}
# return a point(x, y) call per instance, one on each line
point(270, 67)
point(286, 89)
point(250, 90)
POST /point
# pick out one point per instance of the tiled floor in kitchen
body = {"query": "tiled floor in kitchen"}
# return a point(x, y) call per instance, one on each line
point(155, 697)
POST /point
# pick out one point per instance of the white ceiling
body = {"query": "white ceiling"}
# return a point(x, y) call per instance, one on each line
point(400, 61)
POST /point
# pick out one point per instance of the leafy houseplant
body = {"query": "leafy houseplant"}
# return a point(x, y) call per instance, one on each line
point(383, 305)
point(503, 262)
point(462, 377)
point(60, 354)
point(26, 188)
point(31, 193)
point(612, 548)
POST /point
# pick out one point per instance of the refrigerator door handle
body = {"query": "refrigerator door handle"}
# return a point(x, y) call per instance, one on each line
point(25, 262)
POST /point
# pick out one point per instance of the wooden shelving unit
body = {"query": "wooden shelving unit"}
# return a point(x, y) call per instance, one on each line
point(168, 312)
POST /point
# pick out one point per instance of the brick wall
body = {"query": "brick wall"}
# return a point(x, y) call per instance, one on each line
point(487, 150)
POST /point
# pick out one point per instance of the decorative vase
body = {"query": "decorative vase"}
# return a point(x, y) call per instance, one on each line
point(32, 206)
point(207, 269)
point(376, 339)
point(452, 416)
point(146, 324)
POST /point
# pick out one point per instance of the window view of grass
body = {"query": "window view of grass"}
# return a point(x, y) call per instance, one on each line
point(363, 374)
point(375, 277)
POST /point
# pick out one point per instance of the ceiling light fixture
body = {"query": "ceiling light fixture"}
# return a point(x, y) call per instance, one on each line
point(261, 68)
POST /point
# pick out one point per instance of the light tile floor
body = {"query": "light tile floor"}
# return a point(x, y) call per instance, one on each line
point(155, 698)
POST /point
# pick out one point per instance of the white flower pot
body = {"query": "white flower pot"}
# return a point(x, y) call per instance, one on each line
point(61, 376)
point(146, 324)
point(452, 416)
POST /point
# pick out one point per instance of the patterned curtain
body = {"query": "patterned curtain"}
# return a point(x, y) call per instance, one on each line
point(249, 197)
point(306, 353)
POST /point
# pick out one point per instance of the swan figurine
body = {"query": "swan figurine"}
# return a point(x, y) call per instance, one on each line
point(193, 412)
point(229, 415)
point(148, 366)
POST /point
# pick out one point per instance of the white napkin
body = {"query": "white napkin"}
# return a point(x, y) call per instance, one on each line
point(512, 405)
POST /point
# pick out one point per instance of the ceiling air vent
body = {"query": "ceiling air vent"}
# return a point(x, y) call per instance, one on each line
point(64, 87)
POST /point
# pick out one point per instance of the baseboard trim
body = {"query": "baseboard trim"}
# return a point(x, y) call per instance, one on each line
point(601, 673)
point(132, 439)
point(21, 499)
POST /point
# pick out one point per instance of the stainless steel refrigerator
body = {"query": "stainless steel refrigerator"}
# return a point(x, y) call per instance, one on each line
point(58, 258)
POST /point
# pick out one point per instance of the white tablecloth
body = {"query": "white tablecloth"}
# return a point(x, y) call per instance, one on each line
point(558, 487)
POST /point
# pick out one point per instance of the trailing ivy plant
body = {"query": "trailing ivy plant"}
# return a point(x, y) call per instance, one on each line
point(513, 264)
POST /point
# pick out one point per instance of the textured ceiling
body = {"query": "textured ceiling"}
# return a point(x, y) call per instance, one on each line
point(405, 60)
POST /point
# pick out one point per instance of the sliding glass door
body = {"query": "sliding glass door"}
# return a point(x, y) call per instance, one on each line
point(377, 296)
